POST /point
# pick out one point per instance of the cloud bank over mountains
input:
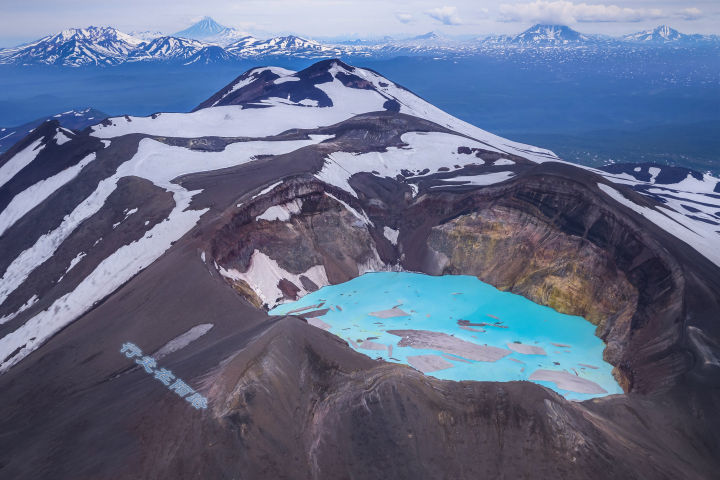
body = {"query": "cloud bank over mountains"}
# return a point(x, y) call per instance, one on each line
point(564, 12)
point(445, 15)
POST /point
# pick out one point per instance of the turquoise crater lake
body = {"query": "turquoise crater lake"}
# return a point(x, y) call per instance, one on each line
point(456, 327)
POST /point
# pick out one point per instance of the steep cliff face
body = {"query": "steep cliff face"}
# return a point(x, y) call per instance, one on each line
point(304, 236)
point(523, 254)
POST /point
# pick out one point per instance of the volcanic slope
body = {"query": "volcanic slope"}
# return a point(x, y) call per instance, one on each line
point(178, 231)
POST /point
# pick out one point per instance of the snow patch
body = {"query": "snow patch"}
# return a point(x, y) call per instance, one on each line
point(156, 162)
point(61, 138)
point(19, 161)
point(286, 79)
point(24, 307)
point(431, 150)
point(182, 341)
point(391, 234)
point(31, 197)
point(264, 275)
point(654, 172)
point(692, 184)
point(484, 179)
point(265, 190)
point(503, 162)
point(281, 212)
point(677, 224)
point(75, 261)
point(361, 216)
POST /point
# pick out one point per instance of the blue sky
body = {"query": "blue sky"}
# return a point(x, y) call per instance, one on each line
point(29, 19)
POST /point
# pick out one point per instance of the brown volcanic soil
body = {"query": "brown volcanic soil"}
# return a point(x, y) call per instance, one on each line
point(288, 400)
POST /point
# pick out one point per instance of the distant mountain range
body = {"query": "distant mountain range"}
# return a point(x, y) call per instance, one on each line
point(210, 42)
point(666, 35)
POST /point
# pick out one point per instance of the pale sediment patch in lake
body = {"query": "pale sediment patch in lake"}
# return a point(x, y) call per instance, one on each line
point(310, 307)
point(424, 339)
point(455, 359)
point(370, 345)
point(314, 313)
point(428, 363)
point(391, 313)
point(316, 322)
point(526, 349)
point(471, 329)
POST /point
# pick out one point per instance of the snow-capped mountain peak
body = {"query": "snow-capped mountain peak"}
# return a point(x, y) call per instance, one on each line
point(661, 34)
point(290, 45)
point(95, 34)
point(428, 36)
point(76, 47)
point(666, 32)
point(549, 35)
point(270, 100)
point(207, 27)
point(210, 31)
point(168, 48)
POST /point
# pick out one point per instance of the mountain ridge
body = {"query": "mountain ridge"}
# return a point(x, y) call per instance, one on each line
point(76, 119)
point(106, 46)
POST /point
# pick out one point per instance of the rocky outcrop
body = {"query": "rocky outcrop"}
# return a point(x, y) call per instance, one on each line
point(523, 254)
point(320, 229)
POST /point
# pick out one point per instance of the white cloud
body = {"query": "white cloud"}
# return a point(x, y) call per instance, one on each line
point(446, 15)
point(404, 17)
point(564, 12)
point(691, 13)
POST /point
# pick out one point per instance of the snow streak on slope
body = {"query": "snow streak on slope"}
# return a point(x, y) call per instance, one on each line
point(482, 180)
point(431, 151)
point(264, 275)
point(33, 196)
point(703, 239)
point(236, 121)
point(21, 160)
point(108, 276)
point(158, 163)
point(252, 76)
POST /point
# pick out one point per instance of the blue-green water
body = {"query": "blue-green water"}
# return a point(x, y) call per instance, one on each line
point(437, 303)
